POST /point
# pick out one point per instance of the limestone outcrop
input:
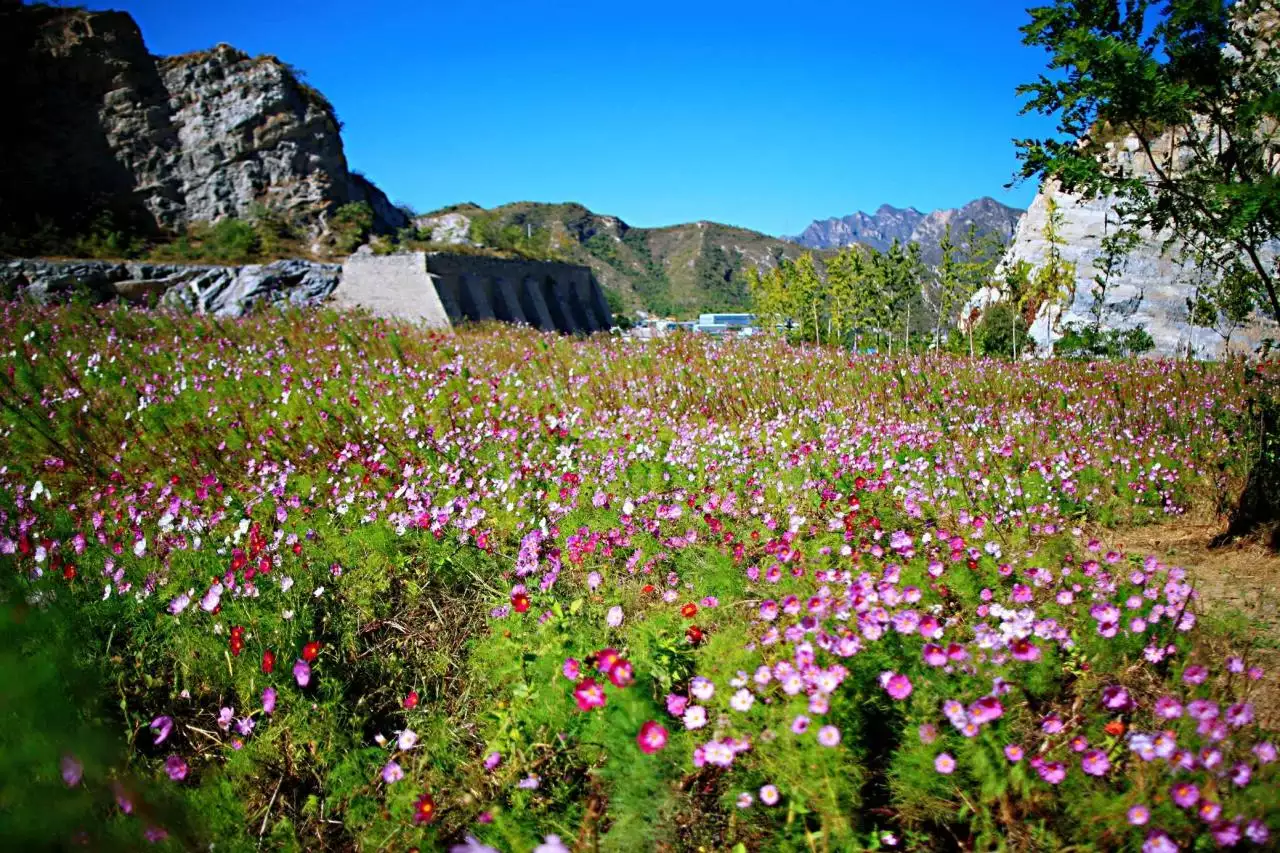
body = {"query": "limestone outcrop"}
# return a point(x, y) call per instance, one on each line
point(1150, 289)
point(95, 124)
point(221, 290)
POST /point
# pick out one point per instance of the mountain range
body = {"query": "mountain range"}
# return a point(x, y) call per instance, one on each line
point(880, 229)
point(694, 267)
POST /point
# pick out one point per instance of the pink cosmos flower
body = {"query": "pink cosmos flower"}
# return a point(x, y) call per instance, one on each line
point(162, 726)
point(302, 673)
point(676, 704)
point(934, 655)
point(176, 767)
point(1052, 772)
point(1116, 698)
point(1195, 674)
point(829, 736)
point(1159, 842)
point(492, 760)
point(269, 700)
point(800, 724)
point(392, 772)
point(1139, 815)
point(769, 795)
point(928, 732)
point(1095, 763)
point(1184, 794)
point(571, 669)
point(1013, 752)
point(896, 685)
point(588, 694)
point(944, 763)
point(652, 737)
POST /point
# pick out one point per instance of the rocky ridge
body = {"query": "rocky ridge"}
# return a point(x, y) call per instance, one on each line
point(908, 225)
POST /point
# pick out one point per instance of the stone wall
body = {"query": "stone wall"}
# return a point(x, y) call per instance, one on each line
point(440, 290)
point(391, 286)
point(546, 295)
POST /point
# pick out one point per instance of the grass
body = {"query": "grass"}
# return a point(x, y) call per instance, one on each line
point(291, 579)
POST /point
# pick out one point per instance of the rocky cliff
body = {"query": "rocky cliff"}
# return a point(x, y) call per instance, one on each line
point(98, 126)
point(1150, 289)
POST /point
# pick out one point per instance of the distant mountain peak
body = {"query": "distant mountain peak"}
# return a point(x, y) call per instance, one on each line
point(907, 224)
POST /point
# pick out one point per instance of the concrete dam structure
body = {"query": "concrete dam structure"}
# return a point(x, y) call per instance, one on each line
point(441, 290)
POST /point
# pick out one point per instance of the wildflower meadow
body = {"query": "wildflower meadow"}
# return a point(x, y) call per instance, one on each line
point(319, 581)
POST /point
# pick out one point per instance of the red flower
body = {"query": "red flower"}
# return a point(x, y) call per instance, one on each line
point(520, 602)
point(647, 589)
point(1114, 728)
point(237, 645)
point(689, 610)
point(310, 650)
point(268, 661)
point(411, 701)
point(424, 809)
point(694, 634)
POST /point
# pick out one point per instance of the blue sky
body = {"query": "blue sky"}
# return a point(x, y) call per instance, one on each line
point(764, 115)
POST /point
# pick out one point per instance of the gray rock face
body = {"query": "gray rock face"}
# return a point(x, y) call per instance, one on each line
point(96, 121)
point(887, 224)
point(1150, 291)
point(223, 291)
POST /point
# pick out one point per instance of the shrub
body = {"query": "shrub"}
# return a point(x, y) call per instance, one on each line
point(999, 329)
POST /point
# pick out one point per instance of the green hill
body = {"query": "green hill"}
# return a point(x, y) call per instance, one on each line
point(676, 270)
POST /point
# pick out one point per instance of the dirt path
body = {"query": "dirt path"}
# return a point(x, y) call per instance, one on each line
point(1241, 578)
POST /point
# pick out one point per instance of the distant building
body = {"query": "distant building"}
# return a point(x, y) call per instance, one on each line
point(720, 324)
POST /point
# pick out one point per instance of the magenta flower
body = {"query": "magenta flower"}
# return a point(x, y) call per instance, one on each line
point(934, 655)
point(944, 763)
point(589, 694)
point(176, 767)
point(1226, 833)
point(302, 673)
point(1194, 674)
point(652, 737)
point(162, 726)
point(1139, 815)
point(1013, 752)
point(225, 715)
point(1116, 698)
point(896, 685)
point(392, 772)
point(571, 669)
point(1167, 708)
point(1052, 772)
point(676, 704)
point(492, 760)
point(1159, 842)
point(1095, 763)
point(269, 700)
point(1184, 794)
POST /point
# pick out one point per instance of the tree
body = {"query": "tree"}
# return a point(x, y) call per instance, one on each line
point(1195, 85)
point(1224, 303)
point(1054, 279)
